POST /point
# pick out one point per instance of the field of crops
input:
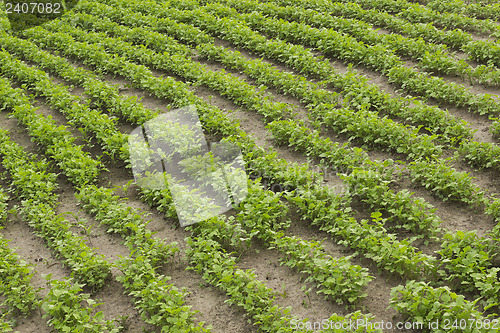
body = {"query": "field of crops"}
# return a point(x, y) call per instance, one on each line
point(369, 132)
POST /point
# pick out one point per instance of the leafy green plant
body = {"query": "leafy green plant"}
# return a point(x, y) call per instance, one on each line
point(481, 154)
point(464, 253)
point(245, 290)
point(161, 304)
point(35, 186)
point(445, 182)
point(3, 206)
point(59, 97)
point(420, 302)
point(63, 306)
point(78, 165)
point(19, 298)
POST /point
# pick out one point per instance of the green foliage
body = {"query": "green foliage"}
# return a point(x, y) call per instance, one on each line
point(481, 154)
point(4, 198)
point(431, 56)
point(414, 214)
point(337, 279)
point(59, 98)
point(380, 56)
point(367, 127)
point(64, 307)
point(484, 51)
point(446, 182)
point(468, 260)
point(238, 90)
point(372, 186)
point(493, 209)
point(482, 9)
point(35, 187)
point(246, 291)
point(422, 303)
point(161, 304)
point(123, 220)
point(445, 92)
point(371, 239)
point(495, 128)
point(262, 213)
point(464, 253)
point(19, 298)
point(79, 167)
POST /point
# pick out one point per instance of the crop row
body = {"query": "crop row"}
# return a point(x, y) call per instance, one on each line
point(336, 278)
point(415, 12)
point(208, 259)
point(461, 253)
point(435, 180)
point(101, 39)
point(240, 35)
point(452, 38)
point(78, 112)
point(322, 208)
point(19, 297)
point(479, 155)
point(377, 57)
point(431, 57)
point(34, 185)
point(63, 303)
point(64, 307)
point(59, 143)
point(403, 140)
point(159, 302)
point(313, 204)
point(92, 85)
point(436, 120)
point(474, 10)
point(135, 291)
point(446, 194)
point(469, 150)
point(425, 304)
point(373, 188)
point(186, 63)
point(457, 182)
point(227, 85)
point(481, 51)
point(96, 278)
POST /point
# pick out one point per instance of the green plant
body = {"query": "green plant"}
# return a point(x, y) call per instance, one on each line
point(420, 302)
point(66, 312)
point(19, 298)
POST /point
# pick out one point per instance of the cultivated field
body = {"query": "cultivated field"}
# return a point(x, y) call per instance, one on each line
point(369, 131)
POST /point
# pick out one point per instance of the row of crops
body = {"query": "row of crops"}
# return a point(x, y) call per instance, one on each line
point(442, 60)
